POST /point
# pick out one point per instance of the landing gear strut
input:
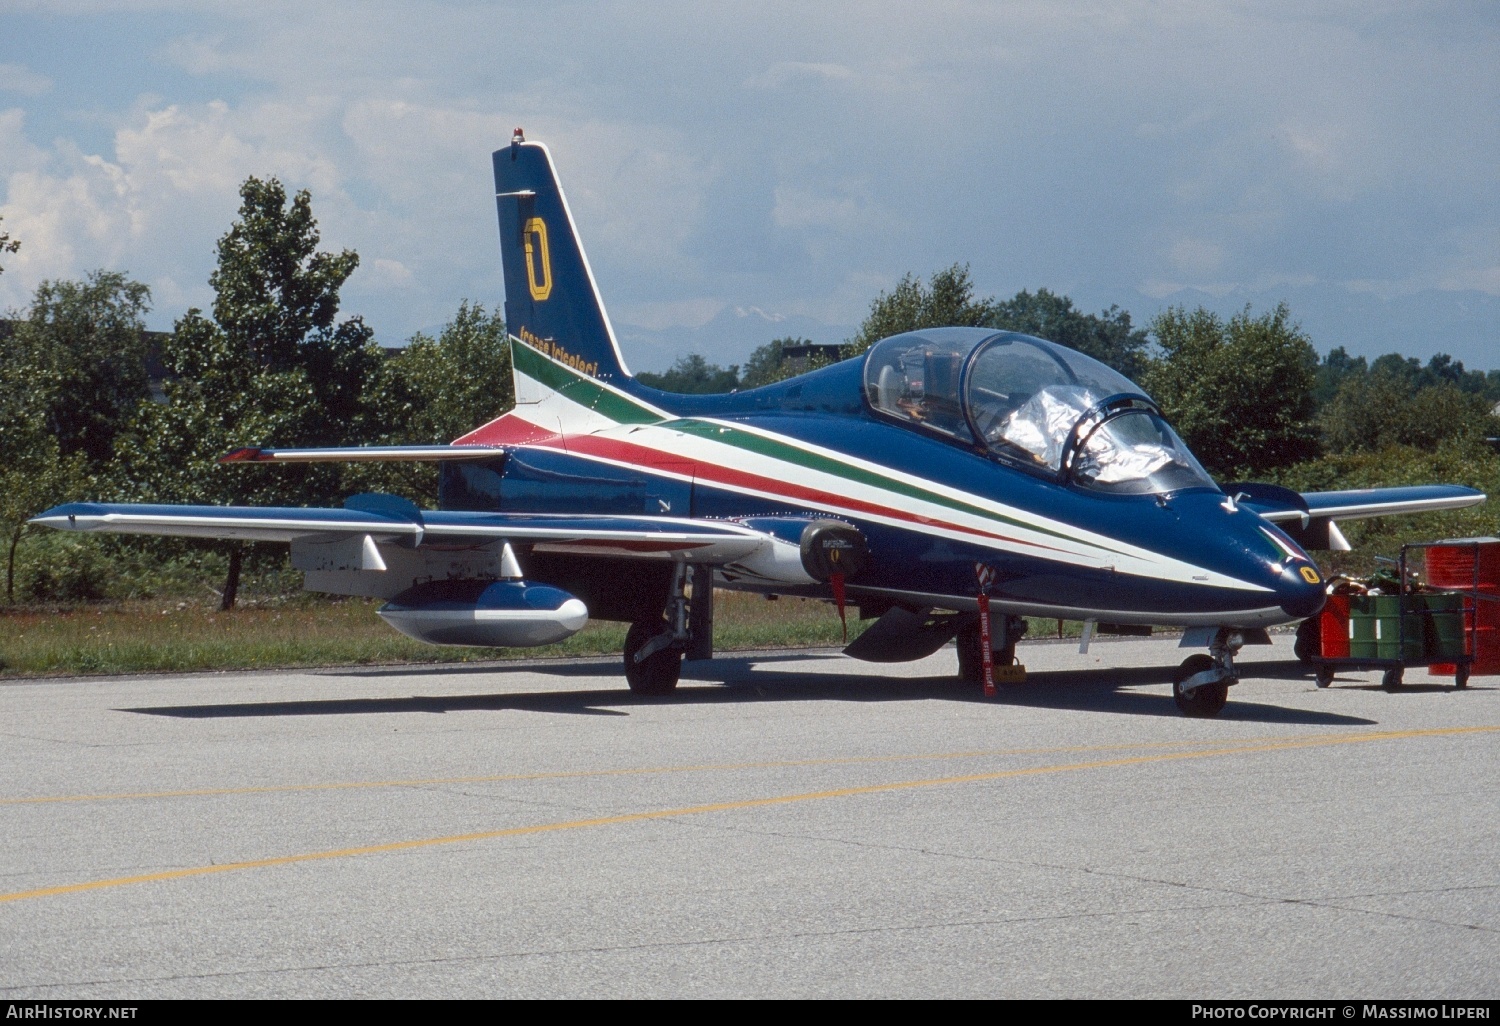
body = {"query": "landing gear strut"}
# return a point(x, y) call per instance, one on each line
point(1006, 631)
point(1201, 683)
point(654, 646)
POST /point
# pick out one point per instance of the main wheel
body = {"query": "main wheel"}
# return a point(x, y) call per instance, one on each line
point(970, 661)
point(1461, 676)
point(1323, 676)
point(1391, 681)
point(658, 673)
point(1205, 700)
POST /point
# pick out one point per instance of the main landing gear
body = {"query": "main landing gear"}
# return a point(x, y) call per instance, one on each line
point(1201, 683)
point(654, 646)
point(1005, 631)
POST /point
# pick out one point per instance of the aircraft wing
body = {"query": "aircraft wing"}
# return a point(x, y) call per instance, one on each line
point(1311, 518)
point(402, 523)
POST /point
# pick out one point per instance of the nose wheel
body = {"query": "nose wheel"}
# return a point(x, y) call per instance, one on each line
point(1205, 700)
point(1201, 684)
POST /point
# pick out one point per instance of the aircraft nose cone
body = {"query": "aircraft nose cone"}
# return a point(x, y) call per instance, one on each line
point(1300, 590)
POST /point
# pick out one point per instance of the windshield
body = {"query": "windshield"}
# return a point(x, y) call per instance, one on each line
point(1136, 452)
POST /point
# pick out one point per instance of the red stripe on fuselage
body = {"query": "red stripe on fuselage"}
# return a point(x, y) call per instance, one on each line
point(650, 459)
point(508, 430)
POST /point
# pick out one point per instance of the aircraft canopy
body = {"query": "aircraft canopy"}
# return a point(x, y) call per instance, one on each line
point(1032, 403)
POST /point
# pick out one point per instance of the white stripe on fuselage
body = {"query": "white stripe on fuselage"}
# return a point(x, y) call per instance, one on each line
point(1078, 547)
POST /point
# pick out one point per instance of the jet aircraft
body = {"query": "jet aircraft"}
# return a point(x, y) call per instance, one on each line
point(942, 475)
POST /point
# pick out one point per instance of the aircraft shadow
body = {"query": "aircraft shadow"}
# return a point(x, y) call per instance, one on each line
point(746, 679)
point(603, 666)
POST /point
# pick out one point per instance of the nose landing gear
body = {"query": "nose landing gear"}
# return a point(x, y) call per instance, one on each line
point(1201, 684)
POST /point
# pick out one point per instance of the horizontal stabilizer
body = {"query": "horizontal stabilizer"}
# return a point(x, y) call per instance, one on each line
point(1353, 504)
point(363, 454)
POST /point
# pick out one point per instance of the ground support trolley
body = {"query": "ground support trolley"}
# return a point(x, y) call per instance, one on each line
point(1391, 632)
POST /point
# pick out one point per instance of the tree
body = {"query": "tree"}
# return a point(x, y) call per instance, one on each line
point(1337, 367)
point(33, 472)
point(1240, 393)
point(945, 301)
point(456, 382)
point(768, 363)
point(8, 245)
point(1107, 337)
point(693, 375)
point(436, 390)
point(272, 367)
point(1374, 411)
point(88, 338)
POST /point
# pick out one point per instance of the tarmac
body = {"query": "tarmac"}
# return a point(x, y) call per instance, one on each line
point(790, 824)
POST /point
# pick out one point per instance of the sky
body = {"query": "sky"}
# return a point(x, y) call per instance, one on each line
point(742, 172)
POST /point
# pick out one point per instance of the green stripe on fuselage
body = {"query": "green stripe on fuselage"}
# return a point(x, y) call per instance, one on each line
point(580, 388)
point(593, 395)
point(780, 450)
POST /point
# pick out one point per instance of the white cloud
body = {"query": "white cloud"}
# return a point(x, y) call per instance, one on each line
point(17, 78)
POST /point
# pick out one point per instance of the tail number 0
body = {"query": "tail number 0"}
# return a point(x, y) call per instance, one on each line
point(538, 262)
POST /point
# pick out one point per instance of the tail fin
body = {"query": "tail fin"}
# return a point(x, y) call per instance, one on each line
point(551, 302)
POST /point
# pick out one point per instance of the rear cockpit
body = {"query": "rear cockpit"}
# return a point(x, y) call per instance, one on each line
point(1031, 404)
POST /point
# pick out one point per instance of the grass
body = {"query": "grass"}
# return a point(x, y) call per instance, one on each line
point(266, 632)
point(153, 636)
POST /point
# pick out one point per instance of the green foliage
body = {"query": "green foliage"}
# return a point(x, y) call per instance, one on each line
point(1378, 410)
point(271, 368)
point(435, 391)
point(768, 364)
point(1463, 461)
point(1107, 337)
point(945, 301)
point(83, 346)
point(1240, 393)
point(1337, 367)
point(452, 384)
point(693, 375)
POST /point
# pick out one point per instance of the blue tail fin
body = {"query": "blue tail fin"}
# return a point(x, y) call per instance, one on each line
point(551, 301)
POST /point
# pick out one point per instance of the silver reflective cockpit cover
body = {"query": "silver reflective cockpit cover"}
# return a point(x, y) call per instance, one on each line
point(1040, 426)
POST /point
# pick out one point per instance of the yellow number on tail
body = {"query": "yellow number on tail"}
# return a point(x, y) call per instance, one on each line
point(535, 235)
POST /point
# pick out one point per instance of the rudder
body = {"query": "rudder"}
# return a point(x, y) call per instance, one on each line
point(551, 301)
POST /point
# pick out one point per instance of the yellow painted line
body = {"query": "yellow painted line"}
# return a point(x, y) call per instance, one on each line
point(749, 803)
point(353, 785)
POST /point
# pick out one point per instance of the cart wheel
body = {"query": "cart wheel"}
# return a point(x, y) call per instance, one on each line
point(1461, 677)
point(1392, 679)
point(1323, 676)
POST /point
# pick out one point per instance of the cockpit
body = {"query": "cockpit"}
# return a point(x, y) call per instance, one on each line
point(1033, 404)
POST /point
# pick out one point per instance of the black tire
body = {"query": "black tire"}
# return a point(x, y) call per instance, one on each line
point(970, 660)
point(1204, 701)
point(1461, 677)
point(1309, 643)
point(1323, 676)
point(1391, 679)
point(658, 673)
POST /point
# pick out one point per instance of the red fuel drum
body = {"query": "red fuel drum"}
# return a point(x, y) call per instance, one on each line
point(1453, 567)
point(1334, 628)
